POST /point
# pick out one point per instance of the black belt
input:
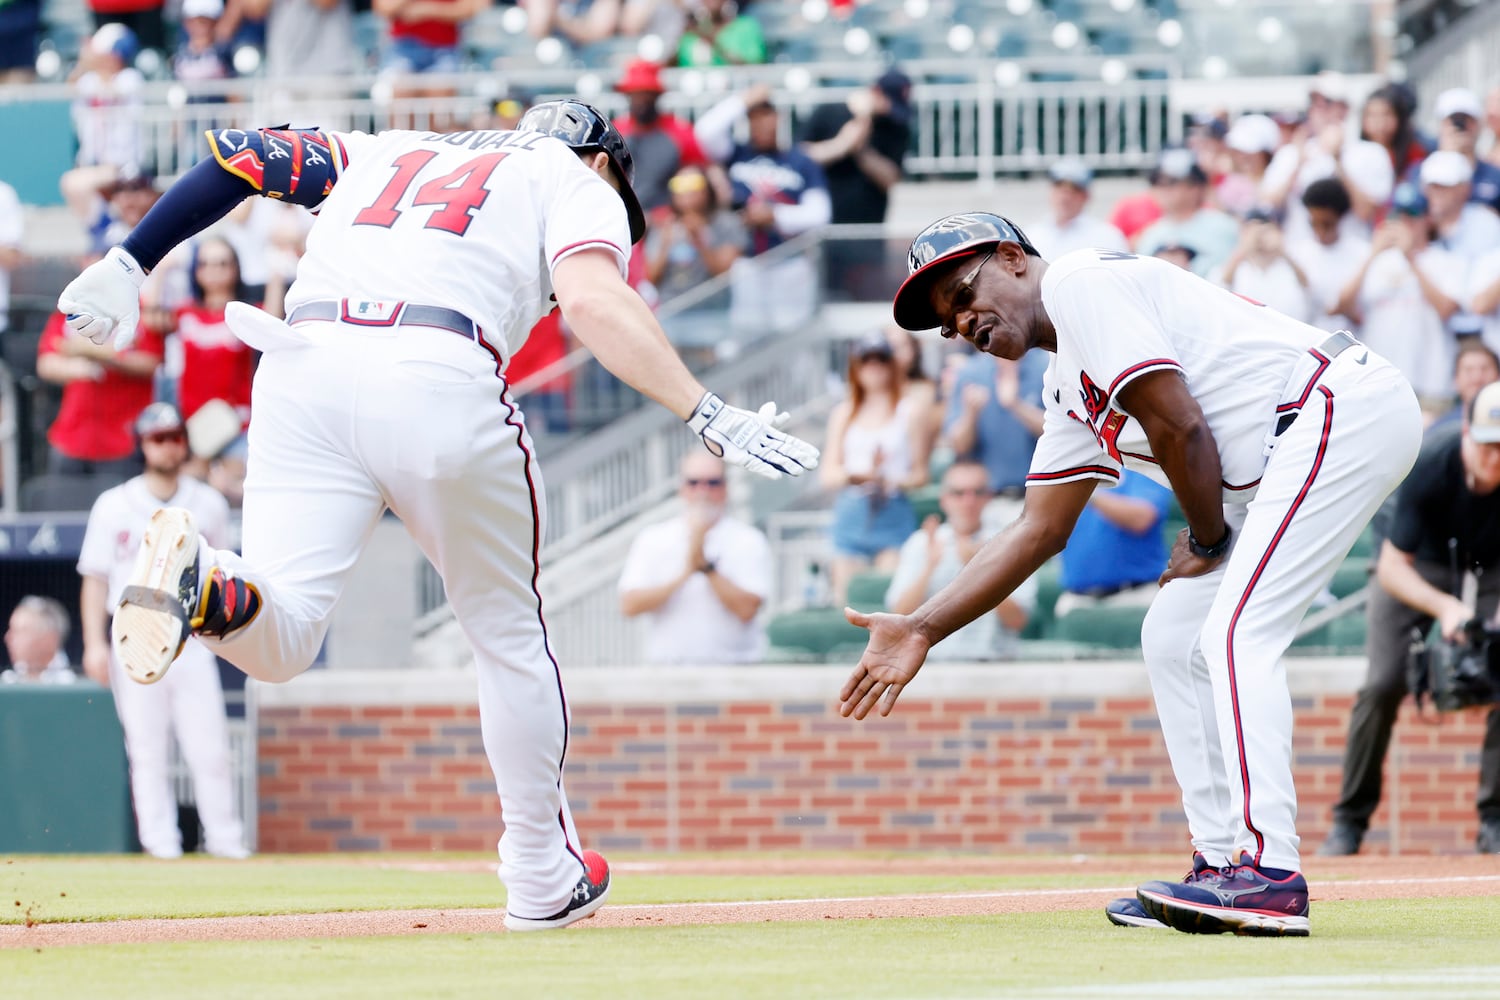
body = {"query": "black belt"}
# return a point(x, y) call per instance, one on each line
point(1329, 349)
point(358, 313)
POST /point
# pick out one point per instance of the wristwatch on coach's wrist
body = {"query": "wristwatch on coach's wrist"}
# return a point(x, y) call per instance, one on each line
point(1213, 551)
point(706, 567)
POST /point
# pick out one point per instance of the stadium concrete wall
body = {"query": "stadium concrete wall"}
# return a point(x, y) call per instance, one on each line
point(1051, 758)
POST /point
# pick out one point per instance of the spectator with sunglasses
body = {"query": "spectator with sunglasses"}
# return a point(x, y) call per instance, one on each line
point(934, 554)
point(701, 578)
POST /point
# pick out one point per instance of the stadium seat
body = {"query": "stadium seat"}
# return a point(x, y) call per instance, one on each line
point(1350, 577)
point(924, 501)
point(867, 591)
point(1113, 628)
point(814, 633)
point(1343, 636)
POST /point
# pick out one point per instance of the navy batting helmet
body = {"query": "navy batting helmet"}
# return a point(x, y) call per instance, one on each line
point(583, 128)
point(948, 239)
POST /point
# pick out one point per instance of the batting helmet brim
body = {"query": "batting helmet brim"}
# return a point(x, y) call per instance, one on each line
point(951, 238)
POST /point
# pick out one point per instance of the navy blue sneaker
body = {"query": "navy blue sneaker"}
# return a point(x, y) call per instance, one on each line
point(1237, 899)
point(588, 895)
point(1128, 912)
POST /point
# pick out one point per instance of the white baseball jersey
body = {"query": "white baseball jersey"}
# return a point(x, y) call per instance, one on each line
point(1403, 326)
point(480, 202)
point(1238, 358)
point(118, 520)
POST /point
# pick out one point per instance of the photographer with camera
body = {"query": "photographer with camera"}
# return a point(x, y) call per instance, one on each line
point(1445, 527)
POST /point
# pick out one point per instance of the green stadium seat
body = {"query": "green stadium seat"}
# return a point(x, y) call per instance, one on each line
point(1113, 628)
point(1350, 577)
point(813, 632)
point(924, 501)
point(1364, 547)
point(1343, 636)
point(867, 590)
point(1048, 587)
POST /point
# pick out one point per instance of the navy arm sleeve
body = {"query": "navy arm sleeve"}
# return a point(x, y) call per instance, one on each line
point(286, 164)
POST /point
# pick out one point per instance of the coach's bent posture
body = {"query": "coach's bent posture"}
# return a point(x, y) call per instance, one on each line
point(431, 258)
point(1225, 400)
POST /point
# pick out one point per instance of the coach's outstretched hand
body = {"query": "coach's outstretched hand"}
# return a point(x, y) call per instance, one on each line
point(751, 440)
point(105, 299)
point(892, 657)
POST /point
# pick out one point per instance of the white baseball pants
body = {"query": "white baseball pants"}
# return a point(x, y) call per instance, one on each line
point(189, 702)
point(1213, 645)
point(351, 420)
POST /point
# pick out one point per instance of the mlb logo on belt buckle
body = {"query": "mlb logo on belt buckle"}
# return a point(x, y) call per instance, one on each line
point(368, 312)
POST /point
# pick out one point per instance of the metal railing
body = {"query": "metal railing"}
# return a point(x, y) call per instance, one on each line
point(10, 438)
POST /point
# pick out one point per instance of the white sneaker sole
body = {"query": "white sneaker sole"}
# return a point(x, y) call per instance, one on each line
point(513, 923)
point(1202, 919)
point(147, 640)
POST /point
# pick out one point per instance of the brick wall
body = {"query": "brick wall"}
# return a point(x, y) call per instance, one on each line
point(986, 770)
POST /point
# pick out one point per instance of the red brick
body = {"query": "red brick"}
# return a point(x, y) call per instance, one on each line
point(337, 713)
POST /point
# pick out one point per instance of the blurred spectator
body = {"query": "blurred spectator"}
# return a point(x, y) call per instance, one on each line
point(1117, 550)
point(34, 643)
point(236, 27)
point(1177, 254)
point(874, 452)
point(1320, 148)
point(142, 18)
point(1260, 268)
point(215, 363)
point(546, 405)
point(1206, 140)
point(305, 36)
point(1386, 120)
point(285, 244)
point(423, 38)
point(994, 417)
point(1492, 119)
point(779, 193)
point(697, 240)
point(661, 144)
point(1067, 227)
point(502, 114)
point(584, 22)
point(1476, 367)
point(188, 703)
point(108, 201)
point(1251, 143)
point(1403, 293)
point(1134, 213)
point(103, 392)
point(700, 578)
point(200, 57)
point(860, 145)
point(918, 390)
point(933, 555)
point(107, 107)
point(717, 34)
point(1463, 227)
point(1483, 298)
point(20, 26)
point(1182, 189)
point(1330, 256)
point(12, 228)
point(1459, 124)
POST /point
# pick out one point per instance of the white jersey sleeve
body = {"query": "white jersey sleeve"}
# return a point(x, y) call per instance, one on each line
point(1091, 295)
point(580, 211)
point(96, 557)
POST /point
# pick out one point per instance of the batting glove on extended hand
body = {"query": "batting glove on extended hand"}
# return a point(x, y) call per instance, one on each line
point(750, 439)
point(105, 299)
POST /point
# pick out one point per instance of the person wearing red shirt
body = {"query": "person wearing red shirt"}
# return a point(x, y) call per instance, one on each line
point(103, 392)
point(215, 363)
point(424, 37)
point(661, 144)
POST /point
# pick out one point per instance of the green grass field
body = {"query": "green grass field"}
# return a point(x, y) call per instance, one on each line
point(1425, 947)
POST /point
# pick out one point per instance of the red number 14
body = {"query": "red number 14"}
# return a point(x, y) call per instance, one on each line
point(459, 193)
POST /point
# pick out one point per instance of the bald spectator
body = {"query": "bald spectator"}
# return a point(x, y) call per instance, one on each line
point(1068, 226)
point(34, 643)
point(1322, 148)
point(1187, 220)
point(700, 578)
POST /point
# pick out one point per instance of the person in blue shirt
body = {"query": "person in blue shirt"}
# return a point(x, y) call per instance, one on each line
point(994, 418)
point(1118, 549)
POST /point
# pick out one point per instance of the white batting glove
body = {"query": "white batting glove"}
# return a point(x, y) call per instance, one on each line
point(105, 299)
point(751, 440)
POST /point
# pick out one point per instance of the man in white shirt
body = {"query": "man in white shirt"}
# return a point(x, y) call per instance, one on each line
point(701, 578)
point(1187, 220)
point(10, 245)
point(1465, 227)
point(1068, 227)
point(1330, 256)
point(935, 553)
point(1260, 268)
point(33, 642)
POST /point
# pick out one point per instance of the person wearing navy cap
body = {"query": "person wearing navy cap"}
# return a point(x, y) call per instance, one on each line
point(1068, 226)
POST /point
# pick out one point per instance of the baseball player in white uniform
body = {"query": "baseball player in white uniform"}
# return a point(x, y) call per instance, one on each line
point(432, 257)
point(190, 704)
point(1280, 442)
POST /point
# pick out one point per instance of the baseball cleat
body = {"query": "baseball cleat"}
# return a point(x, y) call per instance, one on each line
point(588, 895)
point(1236, 899)
point(1127, 911)
point(152, 622)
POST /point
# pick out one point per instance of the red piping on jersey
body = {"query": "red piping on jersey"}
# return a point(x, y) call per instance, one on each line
point(1153, 363)
point(1151, 461)
point(343, 153)
point(1046, 477)
point(1234, 694)
point(585, 243)
point(536, 569)
point(1301, 401)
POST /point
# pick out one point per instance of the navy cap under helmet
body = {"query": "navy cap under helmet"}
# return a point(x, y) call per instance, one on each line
point(947, 239)
point(583, 128)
